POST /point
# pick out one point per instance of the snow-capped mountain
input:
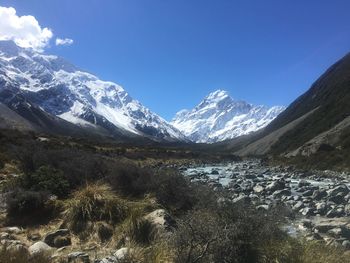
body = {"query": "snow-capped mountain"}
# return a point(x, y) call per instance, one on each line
point(219, 117)
point(63, 90)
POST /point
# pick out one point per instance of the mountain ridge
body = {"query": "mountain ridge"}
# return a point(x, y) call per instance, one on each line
point(219, 117)
point(63, 90)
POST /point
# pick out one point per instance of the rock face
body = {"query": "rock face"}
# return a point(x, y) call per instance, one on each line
point(219, 117)
point(32, 81)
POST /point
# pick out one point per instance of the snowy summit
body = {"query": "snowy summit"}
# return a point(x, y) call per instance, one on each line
point(220, 117)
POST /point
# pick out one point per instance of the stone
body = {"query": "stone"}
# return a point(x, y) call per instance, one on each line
point(337, 199)
point(335, 212)
point(280, 193)
point(4, 235)
point(161, 219)
point(321, 208)
point(122, 253)
point(343, 189)
point(346, 244)
point(276, 185)
point(50, 237)
point(13, 230)
point(307, 211)
point(308, 193)
point(39, 247)
point(262, 208)
point(299, 205)
point(34, 236)
point(303, 183)
point(319, 194)
point(81, 256)
point(60, 241)
point(242, 199)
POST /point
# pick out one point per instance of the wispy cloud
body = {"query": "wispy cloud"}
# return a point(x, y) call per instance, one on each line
point(64, 42)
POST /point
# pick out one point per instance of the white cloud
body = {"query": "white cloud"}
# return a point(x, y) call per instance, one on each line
point(24, 30)
point(64, 42)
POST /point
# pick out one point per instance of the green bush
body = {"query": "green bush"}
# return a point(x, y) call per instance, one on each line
point(48, 179)
point(29, 207)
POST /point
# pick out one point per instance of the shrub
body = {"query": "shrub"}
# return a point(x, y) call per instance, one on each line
point(48, 179)
point(139, 230)
point(93, 203)
point(29, 207)
point(104, 232)
point(172, 190)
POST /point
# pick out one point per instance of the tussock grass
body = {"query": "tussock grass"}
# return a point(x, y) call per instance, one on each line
point(293, 250)
point(8, 256)
point(93, 203)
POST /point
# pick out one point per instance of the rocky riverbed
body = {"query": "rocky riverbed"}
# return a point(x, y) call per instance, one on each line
point(319, 201)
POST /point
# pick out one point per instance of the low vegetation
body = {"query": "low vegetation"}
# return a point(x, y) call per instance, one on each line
point(103, 198)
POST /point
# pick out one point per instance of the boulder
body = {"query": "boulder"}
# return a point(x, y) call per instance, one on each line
point(161, 219)
point(299, 205)
point(342, 189)
point(50, 237)
point(78, 257)
point(303, 183)
point(280, 193)
point(319, 194)
point(337, 199)
point(276, 185)
point(39, 247)
point(122, 253)
point(308, 193)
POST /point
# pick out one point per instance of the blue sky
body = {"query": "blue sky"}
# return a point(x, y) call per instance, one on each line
point(170, 54)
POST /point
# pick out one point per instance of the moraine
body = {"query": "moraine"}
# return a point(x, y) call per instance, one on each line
point(318, 201)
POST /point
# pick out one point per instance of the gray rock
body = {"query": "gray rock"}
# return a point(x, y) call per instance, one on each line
point(280, 193)
point(299, 205)
point(276, 185)
point(122, 253)
point(303, 183)
point(161, 219)
point(319, 194)
point(50, 237)
point(39, 247)
point(343, 189)
point(346, 244)
point(81, 256)
point(13, 230)
point(308, 193)
point(337, 199)
point(335, 212)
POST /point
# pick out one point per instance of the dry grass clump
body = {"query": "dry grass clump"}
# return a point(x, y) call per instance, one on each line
point(293, 250)
point(11, 256)
point(316, 252)
point(93, 203)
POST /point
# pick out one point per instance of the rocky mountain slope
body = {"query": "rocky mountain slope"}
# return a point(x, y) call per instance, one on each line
point(219, 117)
point(56, 87)
point(317, 123)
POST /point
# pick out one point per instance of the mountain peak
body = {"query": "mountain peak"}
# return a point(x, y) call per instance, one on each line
point(219, 117)
point(62, 90)
point(218, 95)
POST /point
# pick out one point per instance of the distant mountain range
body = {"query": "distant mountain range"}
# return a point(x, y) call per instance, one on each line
point(46, 93)
point(219, 117)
